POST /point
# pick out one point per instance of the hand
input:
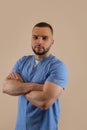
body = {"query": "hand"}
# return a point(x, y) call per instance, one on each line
point(14, 76)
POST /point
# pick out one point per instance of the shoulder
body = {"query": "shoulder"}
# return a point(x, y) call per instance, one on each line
point(57, 63)
point(58, 72)
point(21, 62)
point(24, 59)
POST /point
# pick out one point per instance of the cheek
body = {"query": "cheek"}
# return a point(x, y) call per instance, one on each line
point(33, 42)
point(49, 43)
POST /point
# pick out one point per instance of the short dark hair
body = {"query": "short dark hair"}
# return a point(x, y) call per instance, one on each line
point(44, 24)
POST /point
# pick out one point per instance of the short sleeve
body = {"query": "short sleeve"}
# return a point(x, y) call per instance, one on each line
point(58, 74)
point(18, 65)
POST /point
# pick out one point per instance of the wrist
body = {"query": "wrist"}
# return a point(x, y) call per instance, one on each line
point(27, 87)
point(36, 87)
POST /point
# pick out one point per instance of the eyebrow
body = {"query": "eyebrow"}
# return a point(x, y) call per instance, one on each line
point(40, 35)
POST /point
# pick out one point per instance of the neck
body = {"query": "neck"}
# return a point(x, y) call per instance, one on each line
point(40, 57)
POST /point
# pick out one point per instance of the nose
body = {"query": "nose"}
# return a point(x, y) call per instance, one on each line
point(40, 40)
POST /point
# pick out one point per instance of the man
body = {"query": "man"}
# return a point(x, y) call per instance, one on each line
point(38, 80)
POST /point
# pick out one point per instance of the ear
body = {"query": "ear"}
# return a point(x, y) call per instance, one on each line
point(52, 42)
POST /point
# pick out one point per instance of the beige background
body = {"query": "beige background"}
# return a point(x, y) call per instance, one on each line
point(69, 20)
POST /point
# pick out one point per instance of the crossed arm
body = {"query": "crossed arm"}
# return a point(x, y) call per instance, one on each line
point(41, 95)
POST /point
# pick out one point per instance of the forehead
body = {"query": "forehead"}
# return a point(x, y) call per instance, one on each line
point(41, 31)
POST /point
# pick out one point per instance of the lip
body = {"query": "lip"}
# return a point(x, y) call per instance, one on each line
point(39, 47)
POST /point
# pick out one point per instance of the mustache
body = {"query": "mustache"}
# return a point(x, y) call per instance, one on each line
point(38, 46)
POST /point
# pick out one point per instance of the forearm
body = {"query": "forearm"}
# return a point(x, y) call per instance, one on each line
point(15, 87)
point(45, 98)
point(39, 99)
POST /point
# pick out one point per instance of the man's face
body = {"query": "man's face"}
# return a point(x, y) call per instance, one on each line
point(42, 40)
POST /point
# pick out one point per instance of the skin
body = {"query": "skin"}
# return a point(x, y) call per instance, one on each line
point(41, 95)
point(40, 44)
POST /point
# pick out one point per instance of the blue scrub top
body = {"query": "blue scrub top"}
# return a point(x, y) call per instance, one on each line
point(49, 69)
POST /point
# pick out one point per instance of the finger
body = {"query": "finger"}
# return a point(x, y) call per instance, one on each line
point(16, 75)
point(8, 77)
point(12, 75)
point(19, 77)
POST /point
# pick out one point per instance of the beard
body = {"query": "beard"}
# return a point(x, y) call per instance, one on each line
point(41, 53)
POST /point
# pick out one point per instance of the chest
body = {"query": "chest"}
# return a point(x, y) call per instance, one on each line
point(38, 73)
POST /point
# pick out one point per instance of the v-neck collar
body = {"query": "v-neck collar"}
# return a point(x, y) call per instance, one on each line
point(43, 59)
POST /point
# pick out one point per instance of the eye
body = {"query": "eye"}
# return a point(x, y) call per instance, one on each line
point(44, 37)
point(35, 37)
